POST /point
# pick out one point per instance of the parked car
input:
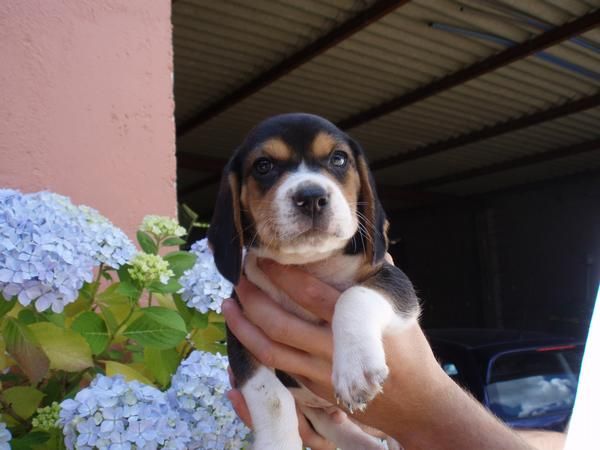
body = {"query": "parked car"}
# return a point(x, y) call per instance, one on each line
point(527, 379)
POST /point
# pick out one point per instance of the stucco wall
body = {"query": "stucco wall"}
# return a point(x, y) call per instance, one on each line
point(86, 103)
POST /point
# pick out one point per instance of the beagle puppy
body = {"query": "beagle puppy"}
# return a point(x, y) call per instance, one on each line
point(299, 191)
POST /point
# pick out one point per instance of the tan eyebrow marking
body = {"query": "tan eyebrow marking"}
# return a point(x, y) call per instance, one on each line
point(276, 148)
point(322, 145)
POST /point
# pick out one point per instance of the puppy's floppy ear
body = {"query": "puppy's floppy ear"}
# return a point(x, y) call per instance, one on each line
point(374, 221)
point(225, 232)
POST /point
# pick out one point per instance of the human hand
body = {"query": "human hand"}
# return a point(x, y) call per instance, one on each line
point(282, 340)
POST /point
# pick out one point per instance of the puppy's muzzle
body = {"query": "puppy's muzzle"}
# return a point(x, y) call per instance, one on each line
point(311, 199)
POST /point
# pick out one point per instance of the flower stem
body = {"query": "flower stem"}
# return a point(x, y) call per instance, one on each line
point(96, 285)
point(189, 343)
point(7, 408)
point(150, 299)
point(122, 324)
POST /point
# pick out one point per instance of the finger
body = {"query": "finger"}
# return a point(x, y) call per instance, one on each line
point(232, 381)
point(280, 325)
point(239, 406)
point(310, 437)
point(270, 353)
point(309, 292)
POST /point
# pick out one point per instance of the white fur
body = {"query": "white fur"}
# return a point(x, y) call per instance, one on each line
point(273, 412)
point(361, 317)
point(340, 228)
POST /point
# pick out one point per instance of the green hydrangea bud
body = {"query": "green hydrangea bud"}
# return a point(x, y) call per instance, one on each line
point(46, 418)
point(162, 227)
point(147, 269)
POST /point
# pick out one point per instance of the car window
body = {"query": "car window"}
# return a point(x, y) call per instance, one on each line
point(527, 384)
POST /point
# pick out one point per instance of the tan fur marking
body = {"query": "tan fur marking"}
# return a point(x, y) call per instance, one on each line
point(367, 198)
point(322, 145)
point(261, 209)
point(274, 148)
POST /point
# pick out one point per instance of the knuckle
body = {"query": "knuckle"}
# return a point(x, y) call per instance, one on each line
point(312, 292)
point(277, 330)
point(266, 355)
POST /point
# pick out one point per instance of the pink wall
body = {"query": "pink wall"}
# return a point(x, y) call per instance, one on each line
point(86, 103)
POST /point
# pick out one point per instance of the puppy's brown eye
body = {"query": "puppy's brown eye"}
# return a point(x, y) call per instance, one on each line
point(338, 158)
point(263, 166)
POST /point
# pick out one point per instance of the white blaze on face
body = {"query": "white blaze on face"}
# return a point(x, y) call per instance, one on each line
point(338, 225)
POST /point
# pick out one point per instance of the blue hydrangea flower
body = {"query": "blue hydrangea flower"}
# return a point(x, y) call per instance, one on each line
point(204, 288)
point(112, 413)
point(5, 435)
point(49, 248)
point(198, 391)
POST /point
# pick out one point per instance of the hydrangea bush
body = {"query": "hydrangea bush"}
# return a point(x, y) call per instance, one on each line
point(104, 346)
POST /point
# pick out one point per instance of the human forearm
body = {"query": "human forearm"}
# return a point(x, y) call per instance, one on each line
point(543, 440)
point(423, 408)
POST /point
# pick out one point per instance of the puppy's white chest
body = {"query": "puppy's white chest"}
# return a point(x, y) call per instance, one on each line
point(338, 271)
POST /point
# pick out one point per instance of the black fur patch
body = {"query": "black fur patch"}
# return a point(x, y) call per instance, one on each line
point(391, 282)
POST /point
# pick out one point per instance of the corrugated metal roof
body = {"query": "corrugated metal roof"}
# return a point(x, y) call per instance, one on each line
point(221, 45)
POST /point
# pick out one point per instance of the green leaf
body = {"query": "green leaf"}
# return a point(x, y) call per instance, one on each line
point(107, 276)
point(66, 349)
point(30, 440)
point(169, 242)
point(130, 374)
point(184, 311)
point(180, 261)
point(157, 327)
point(147, 243)
point(23, 346)
point(129, 289)
point(55, 441)
point(86, 291)
point(198, 320)
point(56, 319)
point(93, 329)
point(109, 317)
point(192, 317)
point(27, 317)
point(170, 288)
point(161, 363)
point(6, 305)
point(210, 339)
point(80, 305)
point(113, 294)
point(24, 400)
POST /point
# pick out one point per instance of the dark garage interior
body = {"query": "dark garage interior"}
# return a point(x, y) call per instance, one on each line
point(481, 120)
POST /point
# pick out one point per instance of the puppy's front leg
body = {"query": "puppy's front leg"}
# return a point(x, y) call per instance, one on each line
point(362, 314)
point(273, 412)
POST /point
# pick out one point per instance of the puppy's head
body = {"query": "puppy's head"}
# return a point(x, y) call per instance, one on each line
point(297, 191)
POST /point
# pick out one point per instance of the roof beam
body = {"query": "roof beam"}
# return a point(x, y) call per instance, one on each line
point(494, 62)
point(557, 112)
point(518, 163)
point(334, 37)
point(186, 160)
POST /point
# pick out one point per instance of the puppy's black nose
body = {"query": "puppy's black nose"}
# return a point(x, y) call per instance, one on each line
point(311, 199)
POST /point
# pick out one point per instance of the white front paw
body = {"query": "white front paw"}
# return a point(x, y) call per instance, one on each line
point(359, 371)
